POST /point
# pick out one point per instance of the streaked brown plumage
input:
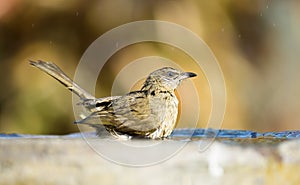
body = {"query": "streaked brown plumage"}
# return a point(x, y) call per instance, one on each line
point(150, 112)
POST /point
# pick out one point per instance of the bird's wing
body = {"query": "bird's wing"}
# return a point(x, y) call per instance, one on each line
point(131, 112)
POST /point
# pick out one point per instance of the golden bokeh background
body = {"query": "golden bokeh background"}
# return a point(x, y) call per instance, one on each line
point(256, 42)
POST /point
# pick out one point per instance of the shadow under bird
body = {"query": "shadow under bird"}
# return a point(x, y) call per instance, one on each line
point(150, 112)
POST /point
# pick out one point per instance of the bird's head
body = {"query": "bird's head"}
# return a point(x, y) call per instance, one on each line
point(167, 77)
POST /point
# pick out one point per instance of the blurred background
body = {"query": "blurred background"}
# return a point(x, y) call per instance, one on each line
point(256, 42)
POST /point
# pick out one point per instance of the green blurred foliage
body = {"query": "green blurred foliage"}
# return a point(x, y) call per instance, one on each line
point(256, 43)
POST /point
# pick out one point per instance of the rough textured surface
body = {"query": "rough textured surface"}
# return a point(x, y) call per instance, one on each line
point(71, 161)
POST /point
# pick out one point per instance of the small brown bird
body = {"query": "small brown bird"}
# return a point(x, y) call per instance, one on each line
point(150, 112)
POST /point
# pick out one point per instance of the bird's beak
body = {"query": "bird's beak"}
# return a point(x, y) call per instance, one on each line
point(186, 75)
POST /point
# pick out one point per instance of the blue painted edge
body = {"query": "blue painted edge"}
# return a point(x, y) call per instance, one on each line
point(184, 132)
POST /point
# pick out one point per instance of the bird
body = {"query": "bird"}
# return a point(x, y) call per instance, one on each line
point(150, 112)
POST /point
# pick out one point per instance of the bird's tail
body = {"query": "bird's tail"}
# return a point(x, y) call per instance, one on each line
point(54, 71)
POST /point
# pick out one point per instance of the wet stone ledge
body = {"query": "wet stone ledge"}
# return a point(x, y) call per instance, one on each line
point(233, 157)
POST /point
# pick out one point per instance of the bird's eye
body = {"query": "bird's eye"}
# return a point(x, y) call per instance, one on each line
point(171, 74)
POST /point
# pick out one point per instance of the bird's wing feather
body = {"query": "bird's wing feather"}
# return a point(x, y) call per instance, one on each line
point(94, 105)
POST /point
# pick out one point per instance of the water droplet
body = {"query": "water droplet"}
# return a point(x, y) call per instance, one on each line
point(32, 25)
point(222, 30)
point(274, 24)
point(77, 13)
point(267, 6)
point(239, 35)
point(261, 14)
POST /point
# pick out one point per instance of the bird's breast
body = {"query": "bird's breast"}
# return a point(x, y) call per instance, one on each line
point(165, 107)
